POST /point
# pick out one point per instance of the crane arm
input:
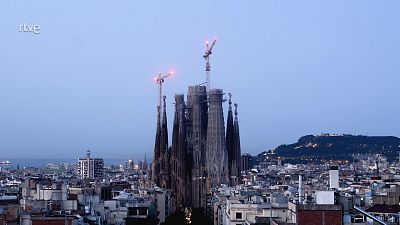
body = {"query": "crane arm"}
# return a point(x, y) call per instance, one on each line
point(159, 77)
point(165, 76)
point(212, 45)
point(209, 49)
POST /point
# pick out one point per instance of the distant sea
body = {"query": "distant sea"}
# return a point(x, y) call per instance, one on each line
point(40, 163)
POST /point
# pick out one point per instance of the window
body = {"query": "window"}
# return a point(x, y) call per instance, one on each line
point(238, 215)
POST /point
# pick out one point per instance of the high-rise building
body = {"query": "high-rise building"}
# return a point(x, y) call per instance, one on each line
point(247, 162)
point(334, 177)
point(90, 168)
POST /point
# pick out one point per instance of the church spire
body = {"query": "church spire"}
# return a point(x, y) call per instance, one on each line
point(164, 129)
point(236, 112)
point(144, 165)
point(230, 101)
point(236, 142)
point(178, 157)
point(175, 129)
point(156, 157)
point(229, 138)
point(164, 152)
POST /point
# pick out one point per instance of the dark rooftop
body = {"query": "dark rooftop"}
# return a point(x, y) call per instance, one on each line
point(383, 208)
point(317, 207)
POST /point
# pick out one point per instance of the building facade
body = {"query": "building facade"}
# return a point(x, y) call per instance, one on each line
point(90, 168)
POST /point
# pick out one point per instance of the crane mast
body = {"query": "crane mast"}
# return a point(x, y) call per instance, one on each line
point(206, 56)
point(160, 78)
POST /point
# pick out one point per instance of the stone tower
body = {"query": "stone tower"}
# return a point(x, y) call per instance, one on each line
point(160, 170)
point(179, 153)
point(230, 144)
point(156, 159)
point(236, 166)
point(216, 154)
point(197, 115)
point(164, 151)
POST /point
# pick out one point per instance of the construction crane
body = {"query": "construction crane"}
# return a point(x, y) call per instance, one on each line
point(206, 56)
point(160, 79)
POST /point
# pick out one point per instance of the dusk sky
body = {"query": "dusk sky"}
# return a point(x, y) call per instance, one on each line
point(294, 68)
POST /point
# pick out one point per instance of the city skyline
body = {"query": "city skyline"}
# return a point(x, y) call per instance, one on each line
point(86, 80)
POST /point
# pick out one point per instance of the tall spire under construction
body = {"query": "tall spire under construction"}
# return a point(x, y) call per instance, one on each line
point(197, 119)
point(216, 154)
point(161, 164)
point(201, 157)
